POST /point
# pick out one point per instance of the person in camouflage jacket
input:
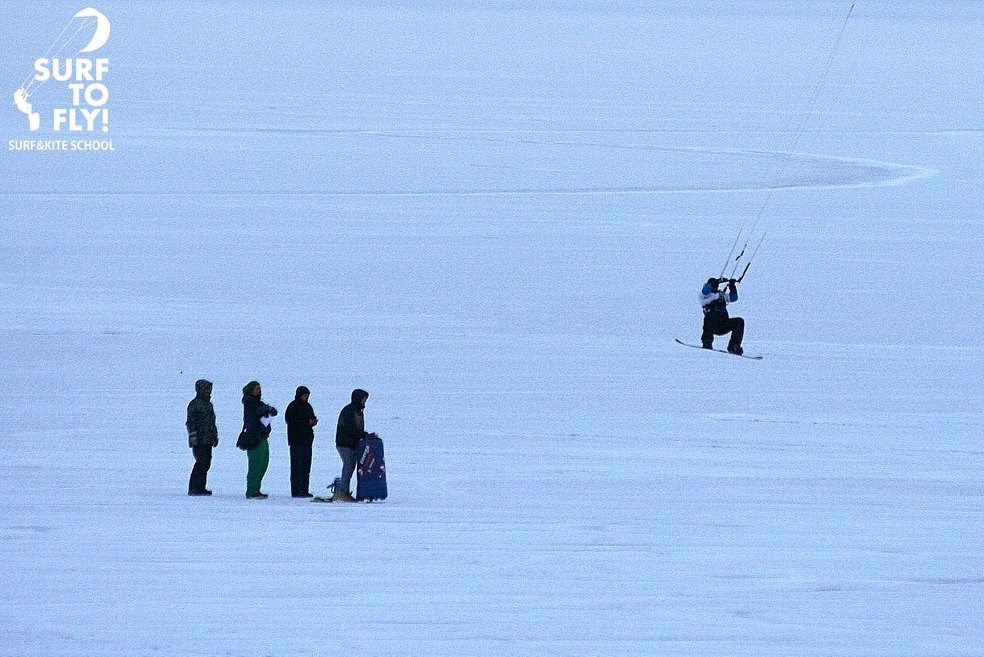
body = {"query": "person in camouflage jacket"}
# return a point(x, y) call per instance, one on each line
point(202, 436)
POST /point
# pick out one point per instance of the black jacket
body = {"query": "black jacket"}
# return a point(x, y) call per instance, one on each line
point(201, 417)
point(253, 410)
point(351, 426)
point(298, 417)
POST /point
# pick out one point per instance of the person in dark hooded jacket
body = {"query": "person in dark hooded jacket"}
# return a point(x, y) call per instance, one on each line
point(256, 418)
point(202, 436)
point(301, 420)
point(350, 430)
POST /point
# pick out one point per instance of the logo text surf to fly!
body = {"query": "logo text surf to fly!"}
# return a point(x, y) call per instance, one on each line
point(84, 78)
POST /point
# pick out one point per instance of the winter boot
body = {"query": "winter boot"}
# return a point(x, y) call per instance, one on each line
point(343, 496)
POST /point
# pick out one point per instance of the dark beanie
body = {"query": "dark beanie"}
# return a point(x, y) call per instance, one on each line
point(301, 391)
point(248, 388)
point(359, 395)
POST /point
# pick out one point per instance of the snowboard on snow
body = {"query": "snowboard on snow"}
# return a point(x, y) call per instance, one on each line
point(370, 471)
point(720, 351)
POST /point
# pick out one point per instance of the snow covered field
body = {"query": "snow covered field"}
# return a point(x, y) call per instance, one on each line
point(496, 217)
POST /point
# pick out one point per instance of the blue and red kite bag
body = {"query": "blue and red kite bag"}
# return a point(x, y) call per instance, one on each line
point(371, 470)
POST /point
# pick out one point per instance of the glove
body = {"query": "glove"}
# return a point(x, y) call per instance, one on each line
point(732, 286)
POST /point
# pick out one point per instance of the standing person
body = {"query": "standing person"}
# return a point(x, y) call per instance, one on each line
point(202, 436)
point(301, 421)
point(256, 417)
point(716, 318)
point(350, 430)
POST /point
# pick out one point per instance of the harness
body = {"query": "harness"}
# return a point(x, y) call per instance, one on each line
point(716, 310)
point(718, 306)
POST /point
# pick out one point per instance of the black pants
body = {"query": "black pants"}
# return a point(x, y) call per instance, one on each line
point(300, 468)
point(719, 324)
point(199, 473)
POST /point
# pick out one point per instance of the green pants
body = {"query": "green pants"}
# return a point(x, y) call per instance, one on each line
point(259, 459)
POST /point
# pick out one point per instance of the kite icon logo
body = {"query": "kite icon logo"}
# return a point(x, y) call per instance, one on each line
point(101, 35)
point(84, 77)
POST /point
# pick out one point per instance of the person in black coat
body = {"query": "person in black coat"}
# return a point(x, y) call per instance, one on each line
point(301, 420)
point(350, 430)
point(202, 436)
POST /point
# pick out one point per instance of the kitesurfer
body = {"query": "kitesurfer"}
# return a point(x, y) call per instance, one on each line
point(716, 318)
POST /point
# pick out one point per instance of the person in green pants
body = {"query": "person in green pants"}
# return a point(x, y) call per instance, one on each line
point(257, 417)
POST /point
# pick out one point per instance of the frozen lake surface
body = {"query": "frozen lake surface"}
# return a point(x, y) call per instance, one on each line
point(496, 218)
